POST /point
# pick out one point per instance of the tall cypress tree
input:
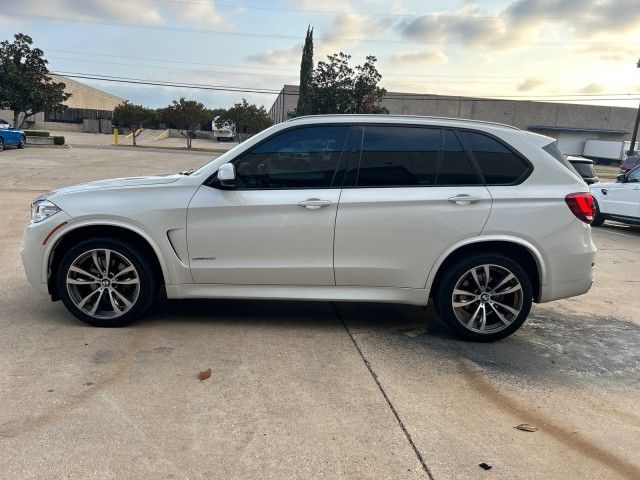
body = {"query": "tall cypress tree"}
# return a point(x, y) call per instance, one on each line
point(306, 74)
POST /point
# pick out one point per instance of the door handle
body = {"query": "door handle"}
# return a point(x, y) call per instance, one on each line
point(314, 203)
point(464, 199)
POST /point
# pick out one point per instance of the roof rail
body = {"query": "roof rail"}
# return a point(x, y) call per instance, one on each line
point(372, 115)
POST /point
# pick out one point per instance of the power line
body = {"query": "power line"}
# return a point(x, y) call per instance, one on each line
point(294, 71)
point(558, 97)
point(292, 37)
point(426, 79)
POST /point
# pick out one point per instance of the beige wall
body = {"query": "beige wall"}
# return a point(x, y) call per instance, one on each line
point(84, 96)
point(521, 114)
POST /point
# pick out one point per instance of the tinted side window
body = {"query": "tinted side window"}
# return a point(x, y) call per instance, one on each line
point(399, 156)
point(499, 165)
point(456, 168)
point(300, 158)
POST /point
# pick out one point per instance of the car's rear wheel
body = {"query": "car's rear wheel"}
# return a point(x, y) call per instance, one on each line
point(598, 217)
point(106, 283)
point(22, 141)
point(1, 144)
point(484, 297)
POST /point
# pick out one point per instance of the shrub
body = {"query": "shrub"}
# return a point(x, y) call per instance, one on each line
point(35, 133)
point(58, 140)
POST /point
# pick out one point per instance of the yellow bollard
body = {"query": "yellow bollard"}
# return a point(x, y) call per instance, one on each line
point(115, 136)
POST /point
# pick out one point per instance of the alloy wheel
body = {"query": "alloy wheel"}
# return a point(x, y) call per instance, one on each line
point(103, 283)
point(487, 298)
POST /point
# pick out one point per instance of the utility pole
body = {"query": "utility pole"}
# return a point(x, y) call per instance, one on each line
point(632, 150)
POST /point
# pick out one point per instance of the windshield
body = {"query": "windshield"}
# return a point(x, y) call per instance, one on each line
point(584, 169)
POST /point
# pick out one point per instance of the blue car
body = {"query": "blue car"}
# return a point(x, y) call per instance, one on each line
point(10, 136)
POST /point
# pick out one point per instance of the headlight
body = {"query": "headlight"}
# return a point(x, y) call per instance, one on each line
point(42, 209)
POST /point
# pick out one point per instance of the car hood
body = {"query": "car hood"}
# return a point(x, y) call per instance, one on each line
point(119, 183)
point(603, 184)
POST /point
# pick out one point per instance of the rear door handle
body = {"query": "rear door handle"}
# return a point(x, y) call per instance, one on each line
point(464, 199)
point(314, 203)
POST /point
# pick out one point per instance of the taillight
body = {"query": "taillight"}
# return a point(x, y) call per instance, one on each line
point(581, 204)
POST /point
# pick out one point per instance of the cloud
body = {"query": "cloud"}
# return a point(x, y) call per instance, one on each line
point(203, 14)
point(609, 53)
point(585, 17)
point(593, 88)
point(529, 84)
point(426, 56)
point(353, 27)
point(145, 11)
point(527, 21)
point(283, 56)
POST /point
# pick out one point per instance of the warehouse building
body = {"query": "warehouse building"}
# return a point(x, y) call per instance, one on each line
point(88, 110)
point(572, 125)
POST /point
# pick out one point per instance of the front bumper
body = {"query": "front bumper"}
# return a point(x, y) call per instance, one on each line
point(34, 248)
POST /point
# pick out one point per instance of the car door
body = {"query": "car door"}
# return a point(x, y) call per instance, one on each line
point(415, 193)
point(623, 198)
point(277, 226)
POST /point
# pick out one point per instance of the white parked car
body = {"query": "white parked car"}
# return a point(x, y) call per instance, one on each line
point(483, 218)
point(618, 200)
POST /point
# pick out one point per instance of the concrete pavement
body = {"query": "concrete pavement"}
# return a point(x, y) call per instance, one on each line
point(307, 390)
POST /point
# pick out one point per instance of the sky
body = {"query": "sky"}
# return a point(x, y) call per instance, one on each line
point(582, 51)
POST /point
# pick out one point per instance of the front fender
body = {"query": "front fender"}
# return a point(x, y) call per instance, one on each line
point(74, 225)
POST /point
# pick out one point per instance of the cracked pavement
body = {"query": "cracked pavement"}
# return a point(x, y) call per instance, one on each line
point(307, 389)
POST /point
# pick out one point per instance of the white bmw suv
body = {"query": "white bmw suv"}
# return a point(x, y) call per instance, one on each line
point(483, 218)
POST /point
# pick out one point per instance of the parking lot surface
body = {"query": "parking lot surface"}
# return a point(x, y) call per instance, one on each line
point(307, 390)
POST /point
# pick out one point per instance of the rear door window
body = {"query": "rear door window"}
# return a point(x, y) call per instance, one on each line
point(395, 156)
point(456, 167)
point(499, 165)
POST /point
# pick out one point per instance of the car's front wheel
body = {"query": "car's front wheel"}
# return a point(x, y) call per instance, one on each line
point(1, 144)
point(22, 142)
point(105, 282)
point(484, 297)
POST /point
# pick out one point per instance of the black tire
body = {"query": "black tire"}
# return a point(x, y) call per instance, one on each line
point(443, 298)
point(22, 141)
point(1, 144)
point(598, 218)
point(148, 285)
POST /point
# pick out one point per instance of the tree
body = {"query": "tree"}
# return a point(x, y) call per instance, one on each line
point(25, 85)
point(248, 119)
point(306, 75)
point(134, 117)
point(366, 92)
point(186, 116)
point(338, 88)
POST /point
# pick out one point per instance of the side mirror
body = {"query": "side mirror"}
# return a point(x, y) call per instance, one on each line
point(227, 175)
point(622, 178)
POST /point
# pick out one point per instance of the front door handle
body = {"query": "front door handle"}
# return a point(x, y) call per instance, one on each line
point(314, 203)
point(464, 199)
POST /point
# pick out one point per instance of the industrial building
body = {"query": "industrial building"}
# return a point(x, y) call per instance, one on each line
point(572, 125)
point(88, 110)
